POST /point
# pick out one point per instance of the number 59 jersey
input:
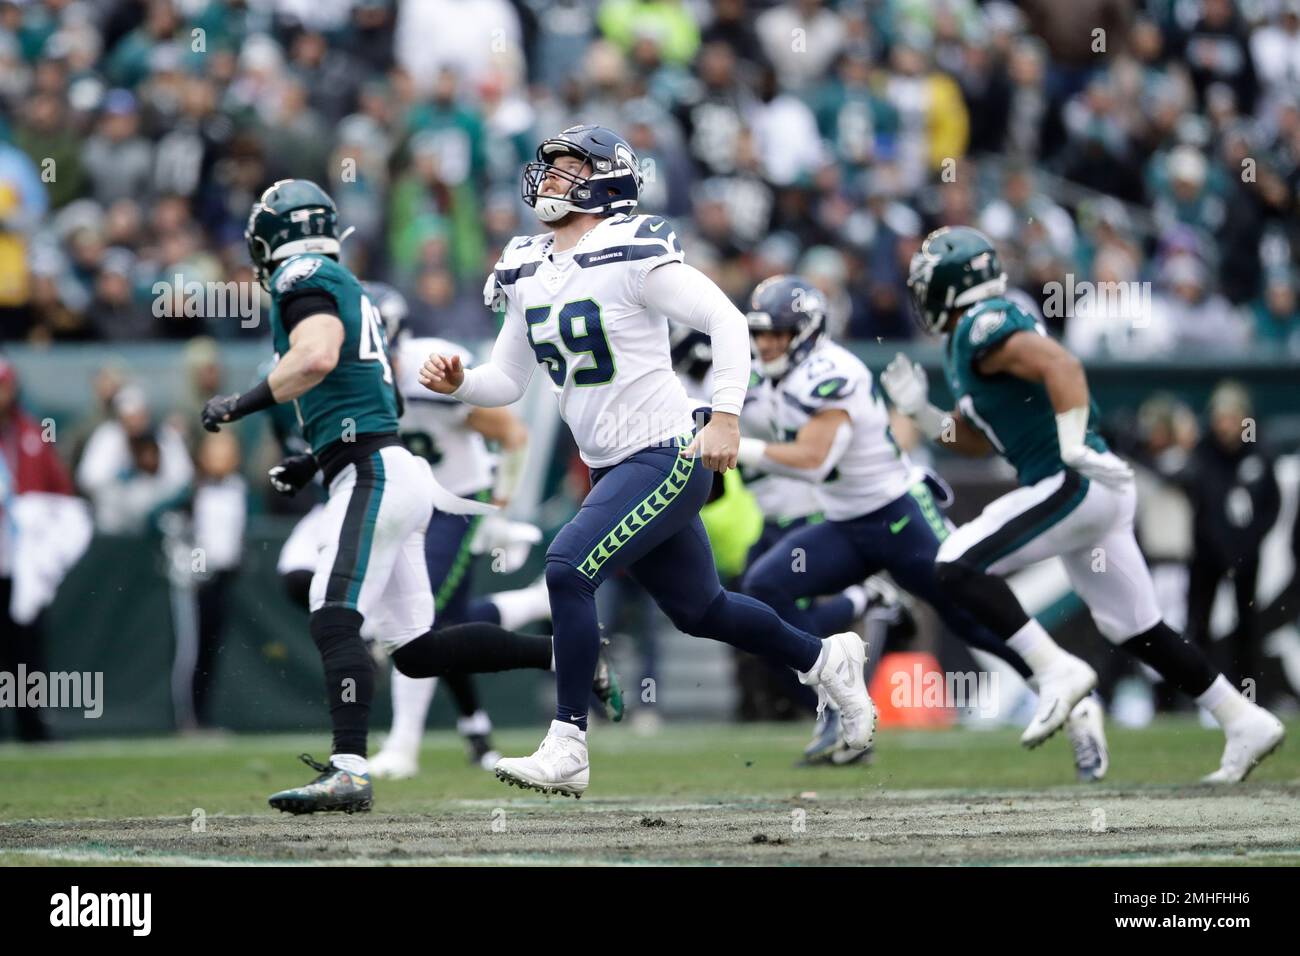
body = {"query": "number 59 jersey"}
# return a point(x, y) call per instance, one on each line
point(357, 397)
point(582, 314)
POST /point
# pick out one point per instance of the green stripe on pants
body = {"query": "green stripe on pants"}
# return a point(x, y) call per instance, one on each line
point(459, 564)
point(640, 516)
point(930, 509)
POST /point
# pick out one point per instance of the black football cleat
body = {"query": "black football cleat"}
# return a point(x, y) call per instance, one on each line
point(333, 790)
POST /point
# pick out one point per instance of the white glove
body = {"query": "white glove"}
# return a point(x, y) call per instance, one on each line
point(905, 383)
point(1071, 429)
point(1105, 467)
point(506, 540)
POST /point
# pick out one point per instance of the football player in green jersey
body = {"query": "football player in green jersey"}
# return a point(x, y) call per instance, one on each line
point(370, 578)
point(1022, 395)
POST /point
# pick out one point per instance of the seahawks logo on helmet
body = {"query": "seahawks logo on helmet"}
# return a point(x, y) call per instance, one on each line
point(614, 182)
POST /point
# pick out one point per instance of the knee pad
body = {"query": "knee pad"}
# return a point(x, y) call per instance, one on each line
point(563, 578)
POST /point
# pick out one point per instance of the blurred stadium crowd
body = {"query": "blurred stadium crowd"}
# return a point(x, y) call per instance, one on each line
point(1107, 140)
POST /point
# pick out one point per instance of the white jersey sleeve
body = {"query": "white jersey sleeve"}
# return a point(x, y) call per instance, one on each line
point(583, 315)
point(435, 427)
point(686, 295)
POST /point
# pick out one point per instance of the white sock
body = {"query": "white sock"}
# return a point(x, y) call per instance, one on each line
point(352, 763)
point(857, 594)
point(562, 728)
point(477, 723)
point(1224, 701)
point(1036, 646)
point(411, 699)
point(809, 676)
point(523, 606)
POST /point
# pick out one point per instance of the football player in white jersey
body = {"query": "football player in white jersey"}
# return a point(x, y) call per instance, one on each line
point(823, 420)
point(786, 504)
point(589, 300)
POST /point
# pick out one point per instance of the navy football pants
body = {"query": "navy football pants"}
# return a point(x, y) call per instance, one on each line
point(642, 514)
point(901, 538)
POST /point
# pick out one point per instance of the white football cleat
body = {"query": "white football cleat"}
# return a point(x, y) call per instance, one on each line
point(838, 677)
point(1252, 736)
point(394, 764)
point(559, 765)
point(1086, 729)
point(1060, 687)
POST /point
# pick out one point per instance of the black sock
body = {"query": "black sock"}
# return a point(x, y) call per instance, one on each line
point(472, 649)
point(463, 693)
point(349, 675)
point(988, 597)
point(1174, 657)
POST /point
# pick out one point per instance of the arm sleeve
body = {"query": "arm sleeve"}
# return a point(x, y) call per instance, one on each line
point(505, 376)
point(686, 295)
point(302, 303)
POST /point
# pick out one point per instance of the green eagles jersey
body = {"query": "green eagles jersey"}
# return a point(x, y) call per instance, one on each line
point(1016, 416)
point(357, 397)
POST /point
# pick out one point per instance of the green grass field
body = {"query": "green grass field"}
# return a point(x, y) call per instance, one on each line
point(691, 794)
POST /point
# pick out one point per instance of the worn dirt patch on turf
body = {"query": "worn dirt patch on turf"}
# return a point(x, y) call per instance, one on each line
point(1255, 823)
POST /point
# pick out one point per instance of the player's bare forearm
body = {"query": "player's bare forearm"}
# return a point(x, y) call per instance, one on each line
point(964, 438)
point(1066, 383)
point(810, 448)
point(313, 353)
point(499, 425)
point(1037, 358)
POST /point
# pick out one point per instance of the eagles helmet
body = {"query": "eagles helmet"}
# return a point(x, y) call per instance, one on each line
point(392, 308)
point(614, 183)
point(293, 216)
point(788, 304)
point(955, 267)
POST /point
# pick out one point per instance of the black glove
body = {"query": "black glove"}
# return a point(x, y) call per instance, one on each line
point(292, 475)
point(219, 410)
point(228, 408)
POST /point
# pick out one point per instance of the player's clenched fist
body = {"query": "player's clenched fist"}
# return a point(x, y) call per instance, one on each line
point(442, 373)
point(717, 443)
